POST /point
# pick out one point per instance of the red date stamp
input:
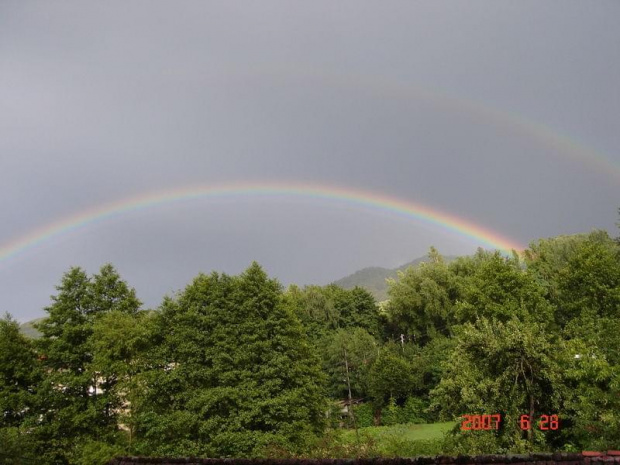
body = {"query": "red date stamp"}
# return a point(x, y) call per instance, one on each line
point(480, 422)
point(545, 422)
point(493, 421)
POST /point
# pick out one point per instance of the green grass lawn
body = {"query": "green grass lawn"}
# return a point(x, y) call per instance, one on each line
point(408, 439)
point(409, 432)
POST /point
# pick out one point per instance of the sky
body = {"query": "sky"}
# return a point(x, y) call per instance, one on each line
point(505, 115)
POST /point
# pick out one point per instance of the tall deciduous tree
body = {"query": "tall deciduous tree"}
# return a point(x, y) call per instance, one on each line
point(120, 343)
point(508, 367)
point(324, 309)
point(422, 300)
point(500, 288)
point(236, 371)
point(348, 356)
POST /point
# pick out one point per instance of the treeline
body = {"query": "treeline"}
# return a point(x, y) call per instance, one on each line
point(236, 366)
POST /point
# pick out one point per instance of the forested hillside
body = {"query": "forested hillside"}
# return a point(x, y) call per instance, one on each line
point(238, 366)
point(374, 278)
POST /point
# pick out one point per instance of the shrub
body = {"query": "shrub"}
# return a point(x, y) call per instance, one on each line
point(391, 415)
point(363, 415)
point(15, 447)
point(99, 453)
point(414, 411)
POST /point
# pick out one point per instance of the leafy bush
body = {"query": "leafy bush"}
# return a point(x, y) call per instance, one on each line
point(486, 442)
point(98, 453)
point(392, 414)
point(15, 447)
point(363, 415)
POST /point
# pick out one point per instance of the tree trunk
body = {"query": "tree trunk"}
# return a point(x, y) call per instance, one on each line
point(377, 417)
point(346, 364)
point(530, 432)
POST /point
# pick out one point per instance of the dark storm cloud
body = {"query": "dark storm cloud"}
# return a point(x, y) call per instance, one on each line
point(104, 101)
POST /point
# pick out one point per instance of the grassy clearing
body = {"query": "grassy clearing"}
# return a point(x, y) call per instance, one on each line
point(408, 432)
point(403, 440)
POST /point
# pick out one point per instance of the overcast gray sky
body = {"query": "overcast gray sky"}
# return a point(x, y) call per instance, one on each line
point(504, 113)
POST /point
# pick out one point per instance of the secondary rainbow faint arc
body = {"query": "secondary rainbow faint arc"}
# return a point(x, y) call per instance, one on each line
point(384, 86)
point(372, 200)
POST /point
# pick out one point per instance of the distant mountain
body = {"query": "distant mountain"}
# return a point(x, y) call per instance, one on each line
point(373, 279)
point(29, 330)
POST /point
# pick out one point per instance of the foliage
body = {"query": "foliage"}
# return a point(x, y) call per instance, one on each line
point(430, 364)
point(590, 282)
point(579, 272)
point(422, 300)
point(325, 309)
point(582, 275)
point(499, 288)
point(98, 453)
point(364, 415)
point(402, 440)
point(348, 356)
point(234, 372)
point(79, 400)
point(120, 342)
point(232, 366)
point(592, 372)
point(391, 378)
point(508, 368)
point(390, 415)
point(16, 447)
point(399, 447)
point(20, 374)
point(337, 444)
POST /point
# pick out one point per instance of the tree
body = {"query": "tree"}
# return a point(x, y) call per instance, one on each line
point(236, 371)
point(422, 300)
point(80, 401)
point(592, 378)
point(348, 356)
point(120, 343)
point(324, 309)
point(590, 281)
point(20, 374)
point(355, 308)
point(501, 289)
point(391, 380)
point(65, 350)
point(589, 312)
point(578, 273)
point(508, 367)
point(314, 308)
point(111, 293)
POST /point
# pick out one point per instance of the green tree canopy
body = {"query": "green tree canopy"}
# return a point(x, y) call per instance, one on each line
point(500, 288)
point(422, 300)
point(79, 399)
point(236, 371)
point(348, 356)
point(20, 374)
point(391, 377)
point(507, 367)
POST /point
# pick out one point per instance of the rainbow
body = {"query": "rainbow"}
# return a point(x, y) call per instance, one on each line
point(349, 196)
point(382, 86)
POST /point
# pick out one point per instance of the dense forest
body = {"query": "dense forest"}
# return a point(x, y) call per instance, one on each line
point(237, 366)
